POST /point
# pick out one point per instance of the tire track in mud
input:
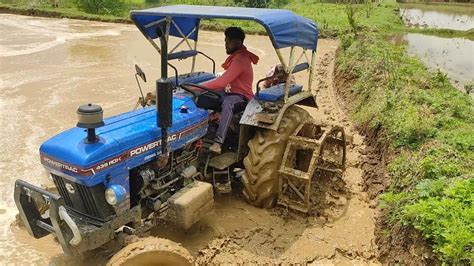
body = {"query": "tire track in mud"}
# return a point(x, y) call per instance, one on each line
point(341, 227)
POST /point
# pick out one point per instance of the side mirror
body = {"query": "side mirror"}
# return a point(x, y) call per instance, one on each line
point(139, 72)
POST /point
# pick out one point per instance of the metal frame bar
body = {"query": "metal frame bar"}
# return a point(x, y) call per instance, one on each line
point(193, 64)
point(280, 56)
point(306, 56)
point(288, 72)
point(183, 40)
point(182, 34)
point(168, 26)
point(288, 67)
point(299, 58)
point(154, 23)
point(311, 69)
point(153, 43)
point(291, 65)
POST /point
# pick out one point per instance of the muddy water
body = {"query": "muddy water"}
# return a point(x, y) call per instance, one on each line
point(453, 56)
point(51, 66)
point(433, 17)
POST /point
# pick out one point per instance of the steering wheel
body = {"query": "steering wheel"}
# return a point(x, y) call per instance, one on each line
point(189, 88)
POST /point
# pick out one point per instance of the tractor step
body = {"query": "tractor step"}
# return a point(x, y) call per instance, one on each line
point(312, 147)
point(221, 172)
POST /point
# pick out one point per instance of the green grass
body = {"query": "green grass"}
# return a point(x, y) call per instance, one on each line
point(331, 18)
point(430, 125)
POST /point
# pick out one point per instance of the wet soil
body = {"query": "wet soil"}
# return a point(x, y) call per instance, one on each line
point(396, 243)
point(41, 88)
point(340, 229)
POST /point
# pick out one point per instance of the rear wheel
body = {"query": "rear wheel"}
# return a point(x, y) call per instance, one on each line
point(152, 251)
point(265, 156)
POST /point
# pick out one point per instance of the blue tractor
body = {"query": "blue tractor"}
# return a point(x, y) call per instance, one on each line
point(112, 173)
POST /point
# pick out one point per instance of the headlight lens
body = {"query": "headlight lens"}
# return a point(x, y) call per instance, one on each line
point(115, 194)
point(110, 196)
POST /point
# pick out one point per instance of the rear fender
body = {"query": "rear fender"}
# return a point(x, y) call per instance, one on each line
point(254, 109)
point(249, 122)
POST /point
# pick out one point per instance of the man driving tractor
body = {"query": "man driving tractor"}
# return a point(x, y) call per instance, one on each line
point(235, 85)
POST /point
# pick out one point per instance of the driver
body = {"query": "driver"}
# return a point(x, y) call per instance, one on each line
point(235, 85)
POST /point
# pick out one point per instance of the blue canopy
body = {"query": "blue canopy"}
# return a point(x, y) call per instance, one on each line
point(285, 28)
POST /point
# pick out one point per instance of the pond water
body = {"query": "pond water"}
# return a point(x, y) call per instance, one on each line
point(439, 17)
point(451, 55)
point(454, 56)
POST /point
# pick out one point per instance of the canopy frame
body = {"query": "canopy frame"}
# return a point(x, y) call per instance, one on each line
point(288, 66)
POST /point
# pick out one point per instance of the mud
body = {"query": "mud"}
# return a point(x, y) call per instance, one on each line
point(396, 244)
point(152, 251)
point(339, 231)
point(41, 88)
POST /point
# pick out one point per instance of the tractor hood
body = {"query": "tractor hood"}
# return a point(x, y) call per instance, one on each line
point(125, 141)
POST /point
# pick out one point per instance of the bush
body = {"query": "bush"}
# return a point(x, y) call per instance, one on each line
point(445, 214)
point(280, 3)
point(469, 87)
point(111, 7)
point(253, 3)
point(153, 2)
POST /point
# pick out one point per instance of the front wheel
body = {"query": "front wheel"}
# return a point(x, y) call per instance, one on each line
point(152, 251)
point(265, 157)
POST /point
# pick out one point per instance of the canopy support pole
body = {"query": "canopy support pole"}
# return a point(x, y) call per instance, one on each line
point(311, 69)
point(289, 69)
point(154, 44)
point(193, 65)
point(280, 56)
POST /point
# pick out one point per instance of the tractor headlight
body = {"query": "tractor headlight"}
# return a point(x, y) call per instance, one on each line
point(115, 194)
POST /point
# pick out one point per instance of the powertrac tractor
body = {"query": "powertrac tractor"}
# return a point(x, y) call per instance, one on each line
point(112, 173)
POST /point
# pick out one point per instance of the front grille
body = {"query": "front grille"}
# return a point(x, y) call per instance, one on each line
point(59, 182)
point(88, 201)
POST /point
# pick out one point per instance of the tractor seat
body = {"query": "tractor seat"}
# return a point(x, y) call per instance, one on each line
point(277, 92)
point(210, 103)
point(196, 78)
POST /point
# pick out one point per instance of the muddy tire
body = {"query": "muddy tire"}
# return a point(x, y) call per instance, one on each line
point(265, 156)
point(152, 251)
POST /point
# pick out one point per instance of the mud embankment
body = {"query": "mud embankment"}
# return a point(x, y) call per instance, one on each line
point(396, 243)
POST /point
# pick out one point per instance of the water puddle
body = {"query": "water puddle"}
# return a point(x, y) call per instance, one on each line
point(451, 55)
point(438, 17)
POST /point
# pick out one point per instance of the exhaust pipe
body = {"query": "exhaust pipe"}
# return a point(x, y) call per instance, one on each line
point(164, 93)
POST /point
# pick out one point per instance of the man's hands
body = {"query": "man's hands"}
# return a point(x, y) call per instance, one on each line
point(228, 88)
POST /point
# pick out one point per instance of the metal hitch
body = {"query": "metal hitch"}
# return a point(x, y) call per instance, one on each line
point(44, 213)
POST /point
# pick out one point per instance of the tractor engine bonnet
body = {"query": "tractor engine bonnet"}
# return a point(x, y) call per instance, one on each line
point(124, 142)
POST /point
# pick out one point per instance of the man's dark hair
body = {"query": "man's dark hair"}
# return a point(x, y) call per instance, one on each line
point(234, 33)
